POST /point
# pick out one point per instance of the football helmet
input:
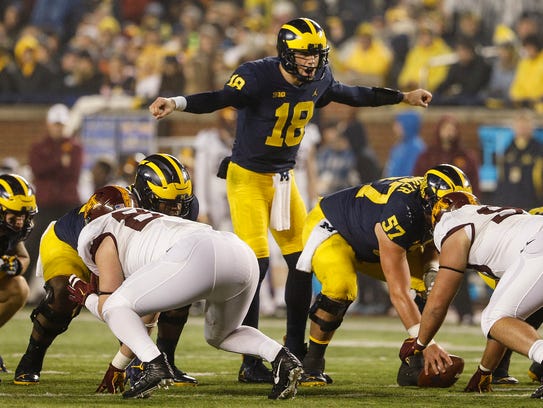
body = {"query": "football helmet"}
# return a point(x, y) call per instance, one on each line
point(440, 180)
point(163, 184)
point(17, 196)
point(303, 36)
point(450, 202)
point(107, 199)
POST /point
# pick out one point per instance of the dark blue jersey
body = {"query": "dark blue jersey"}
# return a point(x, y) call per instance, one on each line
point(69, 226)
point(272, 113)
point(395, 203)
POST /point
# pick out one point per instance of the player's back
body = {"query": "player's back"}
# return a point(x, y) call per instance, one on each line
point(141, 236)
point(498, 234)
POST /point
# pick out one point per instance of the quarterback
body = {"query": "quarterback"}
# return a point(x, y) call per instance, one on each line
point(276, 97)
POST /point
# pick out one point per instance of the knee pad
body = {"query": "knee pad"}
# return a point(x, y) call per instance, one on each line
point(48, 320)
point(113, 302)
point(335, 308)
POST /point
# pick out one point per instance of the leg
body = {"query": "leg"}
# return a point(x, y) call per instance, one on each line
point(13, 295)
point(50, 318)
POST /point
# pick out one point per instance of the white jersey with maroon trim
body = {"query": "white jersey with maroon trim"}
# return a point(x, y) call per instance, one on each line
point(497, 234)
point(148, 240)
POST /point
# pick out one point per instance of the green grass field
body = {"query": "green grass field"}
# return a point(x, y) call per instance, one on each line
point(362, 361)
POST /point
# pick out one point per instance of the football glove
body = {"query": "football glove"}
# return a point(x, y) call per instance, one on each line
point(10, 265)
point(79, 290)
point(410, 347)
point(480, 382)
point(113, 381)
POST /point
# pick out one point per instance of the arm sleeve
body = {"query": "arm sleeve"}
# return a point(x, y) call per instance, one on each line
point(208, 102)
point(360, 95)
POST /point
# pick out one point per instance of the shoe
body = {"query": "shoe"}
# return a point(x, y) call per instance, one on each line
point(26, 373)
point(286, 370)
point(3, 368)
point(506, 380)
point(135, 370)
point(313, 379)
point(156, 373)
point(327, 378)
point(538, 393)
point(255, 372)
point(180, 378)
point(314, 373)
point(535, 372)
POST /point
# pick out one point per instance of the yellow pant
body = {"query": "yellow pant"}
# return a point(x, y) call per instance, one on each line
point(334, 264)
point(60, 259)
point(250, 196)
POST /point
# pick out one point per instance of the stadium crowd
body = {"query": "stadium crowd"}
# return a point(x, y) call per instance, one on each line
point(486, 53)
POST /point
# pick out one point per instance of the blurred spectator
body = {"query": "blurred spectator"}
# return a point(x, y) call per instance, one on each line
point(148, 75)
point(118, 78)
point(305, 170)
point(367, 163)
point(404, 154)
point(12, 22)
point(365, 58)
point(502, 74)
point(335, 161)
point(172, 79)
point(419, 70)
point(61, 16)
point(32, 81)
point(211, 146)
point(447, 148)
point(527, 86)
point(466, 79)
point(55, 161)
point(520, 169)
point(85, 79)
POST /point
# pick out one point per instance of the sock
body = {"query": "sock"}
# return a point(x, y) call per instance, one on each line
point(536, 352)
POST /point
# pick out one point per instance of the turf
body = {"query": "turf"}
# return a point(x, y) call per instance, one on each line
point(362, 360)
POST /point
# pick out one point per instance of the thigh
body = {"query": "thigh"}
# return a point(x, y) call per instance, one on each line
point(290, 240)
point(250, 196)
point(334, 266)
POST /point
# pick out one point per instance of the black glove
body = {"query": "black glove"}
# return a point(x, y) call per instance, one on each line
point(11, 265)
point(113, 381)
point(223, 167)
point(410, 347)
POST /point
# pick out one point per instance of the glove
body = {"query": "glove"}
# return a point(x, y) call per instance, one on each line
point(480, 382)
point(410, 347)
point(79, 290)
point(11, 265)
point(113, 381)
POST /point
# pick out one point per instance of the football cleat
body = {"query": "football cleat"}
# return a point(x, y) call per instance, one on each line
point(157, 373)
point(313, 379)
point(26, 373)
point(535, 372)
point(180, 378)
point(538, 393)
point(255, 372)
point(286, 371)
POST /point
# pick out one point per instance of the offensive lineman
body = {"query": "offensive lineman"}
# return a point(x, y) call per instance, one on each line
point(381, 229)
point(149, 262)
point(276, 98)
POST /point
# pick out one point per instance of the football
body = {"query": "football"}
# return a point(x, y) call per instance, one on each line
point(443, 380)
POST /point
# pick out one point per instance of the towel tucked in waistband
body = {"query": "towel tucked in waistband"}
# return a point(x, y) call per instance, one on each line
point(321, 232)
point(280, 210)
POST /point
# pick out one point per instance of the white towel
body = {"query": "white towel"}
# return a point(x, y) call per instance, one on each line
point(280, 210)
point(321, 232)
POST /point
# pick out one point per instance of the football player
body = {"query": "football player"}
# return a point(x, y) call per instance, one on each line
point(161, 183)
point(276, 97)
point(504, 244)
point(17, 208)
point(141, 255)
point(381, 229)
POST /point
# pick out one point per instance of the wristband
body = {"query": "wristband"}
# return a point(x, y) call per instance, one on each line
point(180, 102)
